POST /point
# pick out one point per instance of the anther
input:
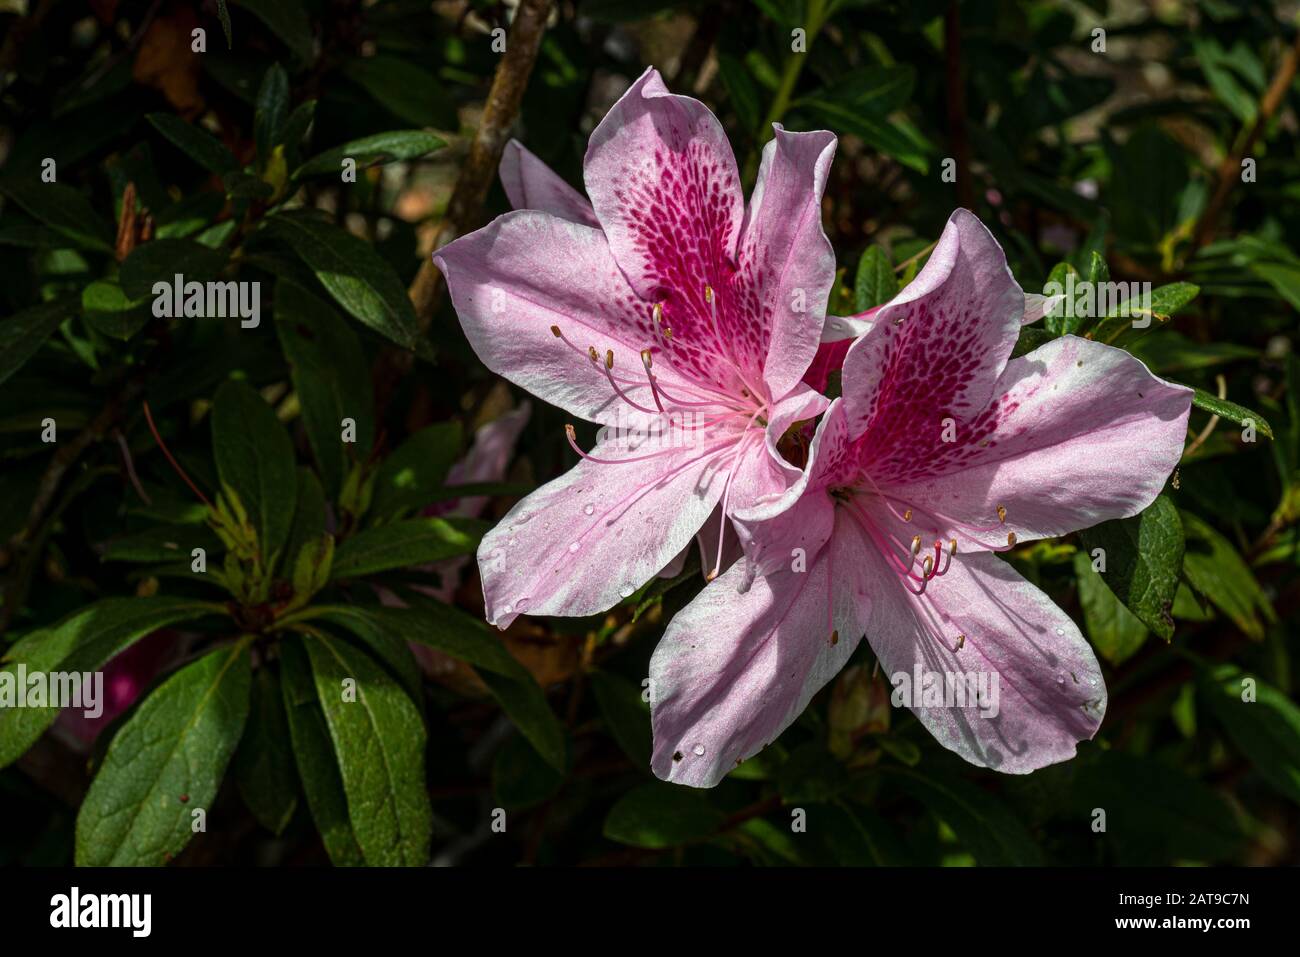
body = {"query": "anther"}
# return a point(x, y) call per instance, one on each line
point(1002, 513)
point(1011, 539)
point(952, 546)
point(907, 515)
point(591, 351)
point(927, 566)
point(835, 637)
point(708, 293)
point(961, 641)
point(555, 331)
point(658, 312)
point(609, 358)
point(916, 545)
point(713, 573)
point(647, 358)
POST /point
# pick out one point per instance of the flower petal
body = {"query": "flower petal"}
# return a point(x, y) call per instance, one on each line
point(526, 272)
point(531, 184)
point(734, 669)
point(1080, 433)
point(1049, 690)
point(665, 187)
point(786, 261)
point(766, 475)
point(936, 350)
point(580, 544)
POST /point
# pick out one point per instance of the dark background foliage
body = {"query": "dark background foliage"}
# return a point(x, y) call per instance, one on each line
point(1123, 161)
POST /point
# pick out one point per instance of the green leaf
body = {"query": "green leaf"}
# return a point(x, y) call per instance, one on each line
point(313, 753)
point(82, 642)
point(520, 778)
point(409, 92)
point(625, 715)
point(1215, 569)
point(1232, 412)
point(985, 826)
point(1155, 814)
point(353, 273)
point(658, 815)
point(412, 476)
point(413, 541)
point(272, 111)
point(163, 259)
point(1112, 628)
point(455, 633)
point(894, 139)
point(1064, 318)
point(263, 765)
point(162, 543)
point(24, 332)
point(875, 283)
point(288, 20)
point(857, 837)
point(199, 145)
point(63, 209)
point(1266, 729)
point(108, 309)
point(166, 762)
point(1143, 556)
point(811, 775)
point(255, 458)
point(308, 514)
point(379, 740)
point(1283, 277)
point(331, 377)
point(373, 150)
point(741, 91)
point(311, 568)
point(223, 14)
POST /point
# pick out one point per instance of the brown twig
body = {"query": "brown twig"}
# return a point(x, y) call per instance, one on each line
point(1230, 169)
point(957, 104)
point(499, 114)
point(465, 209)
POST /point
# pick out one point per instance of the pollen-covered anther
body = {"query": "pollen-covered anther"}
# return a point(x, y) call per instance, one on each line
point(570, 432)
point(961, 641)
point(609, 358)
point(657, 313)
point(712, 574)
point(835, 637)
point(916, 545)
point(927, 566)
point(708, 293)
point(1011, 539)
point(591, 351)
point(555, 331)
point(952, 546)
point(1002, 513)
point(907, 515)
point(647, 358)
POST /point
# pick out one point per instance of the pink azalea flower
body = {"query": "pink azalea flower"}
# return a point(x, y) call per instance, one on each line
point(892, 531)
point(663, 304)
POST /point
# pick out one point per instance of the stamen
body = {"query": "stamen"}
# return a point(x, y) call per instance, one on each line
point(572, 436)
point(1002, 513)
point(654, 389)
point(1011, 539)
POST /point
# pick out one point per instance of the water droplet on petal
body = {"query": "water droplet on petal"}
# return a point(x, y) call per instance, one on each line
point(573, 546)
point(589, 510)
point(1060, 631)
point(626, 591)
point(698, 750)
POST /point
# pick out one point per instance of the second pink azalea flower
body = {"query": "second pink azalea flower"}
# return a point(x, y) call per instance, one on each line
point(940, 453)
point(664, 311)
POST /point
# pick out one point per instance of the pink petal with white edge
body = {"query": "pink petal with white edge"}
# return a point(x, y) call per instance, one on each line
point(665, 187)
point(1080, 433)
point(936, 351)
point(1037, 305)
point(765, 474)
point(1050, 693)
point(734, 669)
point(786, 262)
point(526, 272)
point(587, 540)
point(531, 184)
point(847, 328)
